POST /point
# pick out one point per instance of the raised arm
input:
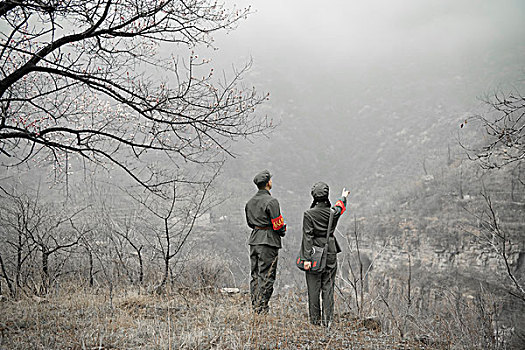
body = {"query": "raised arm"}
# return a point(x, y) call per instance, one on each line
point(340, 205)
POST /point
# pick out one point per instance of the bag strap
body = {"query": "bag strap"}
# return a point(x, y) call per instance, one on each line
point(330, 221)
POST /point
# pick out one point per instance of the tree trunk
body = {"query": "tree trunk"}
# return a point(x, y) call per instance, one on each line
point(12, 292)
point(166, 272)
point(45, 270)
point(166, 257)
point(141, 266)
point(91, 280)
point(18, 261)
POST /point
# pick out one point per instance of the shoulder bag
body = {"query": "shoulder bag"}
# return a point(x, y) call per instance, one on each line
point(318, 258)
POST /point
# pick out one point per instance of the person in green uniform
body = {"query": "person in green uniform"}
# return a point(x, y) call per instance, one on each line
point(315, 225)
point(263, 216)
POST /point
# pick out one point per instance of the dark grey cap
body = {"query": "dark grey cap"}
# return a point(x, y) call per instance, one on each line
point(320, 190)
point(262, 178)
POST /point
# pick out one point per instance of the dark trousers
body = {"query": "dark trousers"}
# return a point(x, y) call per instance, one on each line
point(321, 286)
point(263, 260)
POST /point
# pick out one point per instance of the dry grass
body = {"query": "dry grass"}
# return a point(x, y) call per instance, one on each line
point(73, 319)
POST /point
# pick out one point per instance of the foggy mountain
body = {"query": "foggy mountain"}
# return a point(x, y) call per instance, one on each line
point(369, 96)
point(366, 111)
point(378, 111)
point(371, 140)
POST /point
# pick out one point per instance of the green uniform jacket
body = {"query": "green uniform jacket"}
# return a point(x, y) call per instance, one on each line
point(315, 224)
point(263, 215)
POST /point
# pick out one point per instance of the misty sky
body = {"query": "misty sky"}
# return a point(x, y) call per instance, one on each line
point(319, 41)
point(344, 63)
point(332, 66)
point(329, 51)
point(375, 30)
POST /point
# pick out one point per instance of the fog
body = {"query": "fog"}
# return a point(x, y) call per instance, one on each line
point(353, 74)
point(366, 95)
point(373, 96)
point(376, 34)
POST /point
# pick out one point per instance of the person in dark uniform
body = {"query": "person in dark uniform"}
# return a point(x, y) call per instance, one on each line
point(315, 225)
point(263, 216)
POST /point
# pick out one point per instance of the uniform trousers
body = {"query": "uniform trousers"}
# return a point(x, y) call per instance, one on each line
point(321, 286)
point(263, 260)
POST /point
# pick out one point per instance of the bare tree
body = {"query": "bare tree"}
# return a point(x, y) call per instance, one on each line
point(16, 245)
point(501, 242)
point(127, 239)
point(358, 277)
point(90, 79)
point(31, 226)
point(504, 130)
point(504, 146)
point(173, 218)
point(360, 267)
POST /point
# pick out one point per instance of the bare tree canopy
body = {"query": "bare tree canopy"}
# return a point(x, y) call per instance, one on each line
point(87, 78)
point(504, 132)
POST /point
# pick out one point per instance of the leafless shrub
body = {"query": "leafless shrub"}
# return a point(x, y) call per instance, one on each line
point(204, 272)
point(359, 269)
point(499, 240)
point(443, 317)
point(38, 239)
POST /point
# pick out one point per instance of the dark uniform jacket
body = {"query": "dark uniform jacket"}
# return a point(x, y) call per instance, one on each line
point(263, 215)
point(315, 224)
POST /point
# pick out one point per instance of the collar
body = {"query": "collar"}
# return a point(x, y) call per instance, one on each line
point(322, 205)
point(264, 191)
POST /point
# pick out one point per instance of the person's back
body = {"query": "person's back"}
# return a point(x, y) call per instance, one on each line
point(263, 216)
point(259, 217)
point(315, 227)
point(318, 217)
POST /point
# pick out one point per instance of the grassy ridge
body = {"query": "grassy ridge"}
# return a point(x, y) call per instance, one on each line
point(79, 319)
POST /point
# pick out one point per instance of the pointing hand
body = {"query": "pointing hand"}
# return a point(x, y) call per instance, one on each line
point(345, 193)
point(307, 265)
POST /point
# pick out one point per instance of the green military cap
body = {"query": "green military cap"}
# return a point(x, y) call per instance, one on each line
point(320, 190)
point(262, 178)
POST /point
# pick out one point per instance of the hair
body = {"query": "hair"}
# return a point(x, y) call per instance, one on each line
point(262, 185)
point(321, 200)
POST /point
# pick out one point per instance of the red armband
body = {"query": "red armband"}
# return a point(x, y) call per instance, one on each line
point(278, 223)
point(341, 205)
